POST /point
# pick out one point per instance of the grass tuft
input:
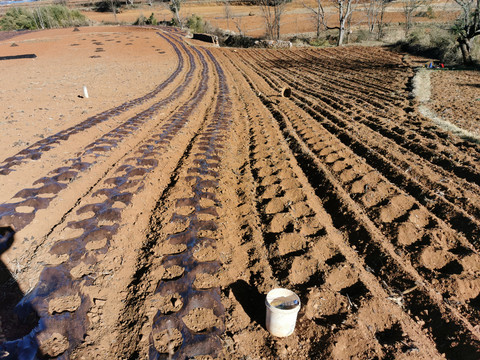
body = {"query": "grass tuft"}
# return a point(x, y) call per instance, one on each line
point(46, 17)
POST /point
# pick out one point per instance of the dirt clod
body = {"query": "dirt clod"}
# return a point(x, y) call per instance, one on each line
point(201, 319)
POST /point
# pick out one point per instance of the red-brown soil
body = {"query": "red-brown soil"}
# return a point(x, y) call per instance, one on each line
point(456, 98)
point(152, 218)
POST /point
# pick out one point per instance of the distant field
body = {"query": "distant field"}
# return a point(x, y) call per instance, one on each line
point(248, 18)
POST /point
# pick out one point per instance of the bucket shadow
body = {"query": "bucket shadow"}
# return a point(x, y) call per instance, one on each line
point(252, 302)
point(472, 85)
point(13, 326)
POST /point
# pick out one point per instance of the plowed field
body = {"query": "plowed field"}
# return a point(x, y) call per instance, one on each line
point(154, 226)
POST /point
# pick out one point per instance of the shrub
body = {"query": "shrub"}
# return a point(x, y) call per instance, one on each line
point(196, 24)
point(17, 19)
point(240, 41)
point(174, 22)
point(53, 16)
point(363, 35)
point(142, 20)
point(301, 40)
point(429, 13)
point(106, 6)
point(332, 39)
point(152, 20)
point(320, 42)
point(433, 42)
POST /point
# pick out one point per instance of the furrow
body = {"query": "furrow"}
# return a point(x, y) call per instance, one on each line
point(381, 258)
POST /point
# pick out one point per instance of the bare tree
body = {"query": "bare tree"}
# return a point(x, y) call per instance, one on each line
point(381, 18)
point(228, 11)
point(348, 28)
point(375, 11)
point(272, 12)
point(372, 12)
point(175, 9)
point(318, 15)
point(409, 9)
point(113, 6)
point(238, 24)
point(467, 27)
point(345, 10)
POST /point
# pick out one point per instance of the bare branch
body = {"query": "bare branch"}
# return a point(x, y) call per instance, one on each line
point(318, 15)
point(272, 12)
point(409, 8)
point(175, 9)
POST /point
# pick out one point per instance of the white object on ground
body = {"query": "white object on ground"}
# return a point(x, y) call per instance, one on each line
point(282, 309)
point(85, 92)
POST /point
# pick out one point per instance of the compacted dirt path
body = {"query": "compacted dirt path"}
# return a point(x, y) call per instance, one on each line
point(160, 236)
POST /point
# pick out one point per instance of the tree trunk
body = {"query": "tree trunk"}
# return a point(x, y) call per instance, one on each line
point(344, 15)
point(177, 15)
point(227, 10)
point(319, 21)
point(348, 29)
point(114, 9)
point(465, 47)
point(380, 22)
point(277, 26)
point(341, 34)
point(407, 23)
point(341, 26)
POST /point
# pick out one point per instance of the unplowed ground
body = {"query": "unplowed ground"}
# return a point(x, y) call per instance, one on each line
point(456, 98)
point(154, 227)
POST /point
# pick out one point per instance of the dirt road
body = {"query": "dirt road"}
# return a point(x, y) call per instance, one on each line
point(154, 228)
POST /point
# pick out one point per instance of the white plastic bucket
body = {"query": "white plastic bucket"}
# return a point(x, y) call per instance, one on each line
point(281, 321)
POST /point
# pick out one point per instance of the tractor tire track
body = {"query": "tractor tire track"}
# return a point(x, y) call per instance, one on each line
point(60, 297)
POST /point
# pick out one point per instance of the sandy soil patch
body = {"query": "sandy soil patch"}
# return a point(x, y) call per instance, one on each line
point(41, 96)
